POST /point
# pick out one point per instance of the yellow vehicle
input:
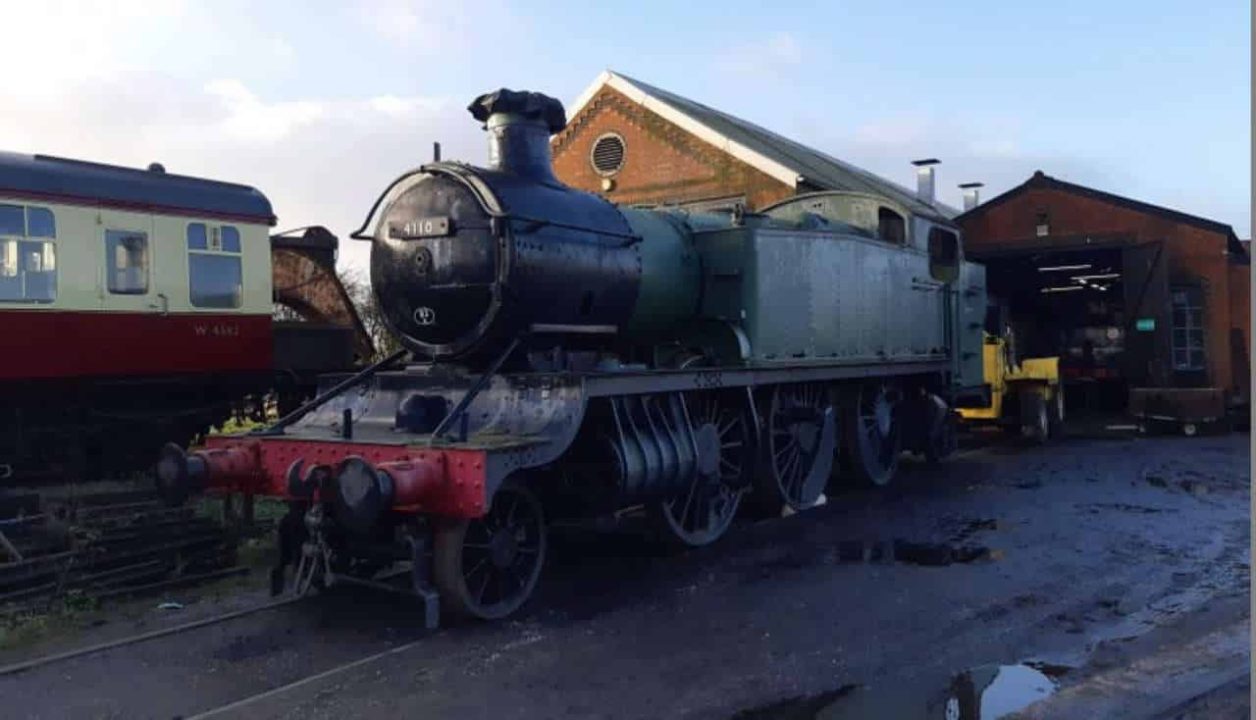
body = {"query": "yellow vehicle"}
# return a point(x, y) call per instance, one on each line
point(1024, 395)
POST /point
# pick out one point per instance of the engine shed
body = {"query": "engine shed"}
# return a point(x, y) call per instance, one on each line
point(1140, 302)
point(638, 144)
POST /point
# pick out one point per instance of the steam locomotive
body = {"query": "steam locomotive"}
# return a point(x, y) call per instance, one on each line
point(569, 358)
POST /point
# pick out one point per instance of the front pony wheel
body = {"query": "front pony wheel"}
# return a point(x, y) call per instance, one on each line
point(487, 568)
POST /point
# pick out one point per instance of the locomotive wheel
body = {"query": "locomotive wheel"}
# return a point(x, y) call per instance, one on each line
point(873, 438)
point(801, 434)
point(486, 568)
point(703, 512)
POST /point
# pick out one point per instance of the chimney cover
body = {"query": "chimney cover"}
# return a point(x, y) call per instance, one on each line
point(924, 179)
point(971, 197)
point(530, 105)
point(520, 125)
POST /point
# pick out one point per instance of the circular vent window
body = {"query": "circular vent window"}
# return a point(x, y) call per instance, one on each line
point(607, 155)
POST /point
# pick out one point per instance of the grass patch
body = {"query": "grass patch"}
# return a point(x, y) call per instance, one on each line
point(236, 426)
point(73, 613)
point(78, 612)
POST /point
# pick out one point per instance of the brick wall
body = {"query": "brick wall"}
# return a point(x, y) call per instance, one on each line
point(1195, 255)
point(1241, 327)
point(662, 162)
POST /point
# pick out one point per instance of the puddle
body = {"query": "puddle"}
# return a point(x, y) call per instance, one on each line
point(912, 553)
point(988, 692)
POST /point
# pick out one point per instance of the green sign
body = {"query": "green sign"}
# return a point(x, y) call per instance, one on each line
point(1145, 324)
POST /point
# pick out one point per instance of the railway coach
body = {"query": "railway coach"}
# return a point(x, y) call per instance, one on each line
point(574, 359)
point(135, 305)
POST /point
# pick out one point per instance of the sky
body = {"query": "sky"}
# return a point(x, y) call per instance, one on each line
point(320, 105)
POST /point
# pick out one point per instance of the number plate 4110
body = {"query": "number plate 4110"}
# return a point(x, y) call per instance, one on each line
point(419, 228)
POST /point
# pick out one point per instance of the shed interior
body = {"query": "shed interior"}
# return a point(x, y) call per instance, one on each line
point(1071, 304)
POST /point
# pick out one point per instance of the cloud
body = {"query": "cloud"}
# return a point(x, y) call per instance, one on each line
point(993, 151)
point(782, 48)
point(431, 27)
point(771, 57)
point(249, 119)
point(319, 160)
point(224, 102)
point(44, 32)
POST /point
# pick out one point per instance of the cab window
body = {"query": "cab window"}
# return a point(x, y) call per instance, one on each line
point(943, 254)
point(28, 255)
point(891, 227)
point(215, 266)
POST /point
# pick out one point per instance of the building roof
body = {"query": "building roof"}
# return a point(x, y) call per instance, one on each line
point(786, 160)
point(1041, 181)
point(79, 182)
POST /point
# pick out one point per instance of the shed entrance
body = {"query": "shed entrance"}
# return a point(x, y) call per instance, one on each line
point(1098, 306)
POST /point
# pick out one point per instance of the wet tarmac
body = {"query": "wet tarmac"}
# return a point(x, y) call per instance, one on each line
point(983, 693)
point(1007, 580)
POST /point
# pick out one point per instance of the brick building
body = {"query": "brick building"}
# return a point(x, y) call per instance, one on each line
point(1168, 305)
point(1129, 294)
point(637, 144)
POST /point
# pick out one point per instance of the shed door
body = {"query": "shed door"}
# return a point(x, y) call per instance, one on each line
point(1147, 359)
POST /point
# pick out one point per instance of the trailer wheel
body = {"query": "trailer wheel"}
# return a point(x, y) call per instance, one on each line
point(486, 568)
point(945, 442)
point(1055, 419)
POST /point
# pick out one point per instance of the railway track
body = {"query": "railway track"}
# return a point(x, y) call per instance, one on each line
point(103, 545)
point(25, 665)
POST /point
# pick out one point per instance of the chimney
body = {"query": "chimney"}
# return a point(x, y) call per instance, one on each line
point(924, 178)
point(971, 197)
point(519, 125)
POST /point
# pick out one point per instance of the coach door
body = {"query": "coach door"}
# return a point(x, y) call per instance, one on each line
point(126, 268)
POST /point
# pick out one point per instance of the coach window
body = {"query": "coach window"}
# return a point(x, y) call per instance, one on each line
point(28, 257)
point(126, 260)
point(215, 267)
point(40, 223)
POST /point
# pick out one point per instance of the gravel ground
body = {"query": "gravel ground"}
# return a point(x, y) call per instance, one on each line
point(1094, 561)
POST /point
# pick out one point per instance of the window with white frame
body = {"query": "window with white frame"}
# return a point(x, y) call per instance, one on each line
point(28, 254)
point(215, 266)
point(1188, 329)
